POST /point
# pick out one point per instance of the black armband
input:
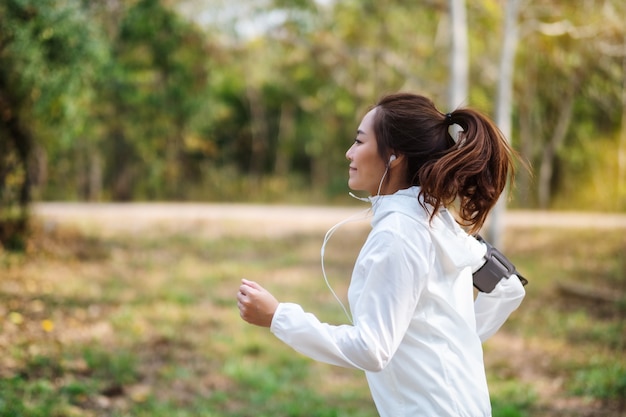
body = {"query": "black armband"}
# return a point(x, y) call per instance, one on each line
point(496, 267)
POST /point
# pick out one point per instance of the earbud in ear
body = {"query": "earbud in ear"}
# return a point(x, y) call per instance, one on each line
point(392, 158)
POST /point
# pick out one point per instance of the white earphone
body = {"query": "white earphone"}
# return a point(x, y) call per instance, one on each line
point(391, 159)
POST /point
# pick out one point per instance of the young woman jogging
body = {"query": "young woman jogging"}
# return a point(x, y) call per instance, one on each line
point(416, 326)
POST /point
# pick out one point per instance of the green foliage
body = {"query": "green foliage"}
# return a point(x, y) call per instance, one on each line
point(49, 54)
point(563, 83)
point(584, 323)
point(135, 101)
point(159, 71)
point(118, 367)
point(512, 399)
point(13, 228)
point(600, 379)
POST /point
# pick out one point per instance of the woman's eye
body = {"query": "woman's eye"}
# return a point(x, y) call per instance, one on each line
point(358, 141)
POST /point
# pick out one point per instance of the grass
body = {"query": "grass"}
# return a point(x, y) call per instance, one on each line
point(146, 325)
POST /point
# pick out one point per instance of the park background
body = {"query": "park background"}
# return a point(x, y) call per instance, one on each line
point(147, 145)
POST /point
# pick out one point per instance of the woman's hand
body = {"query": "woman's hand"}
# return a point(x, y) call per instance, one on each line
point(256, 304)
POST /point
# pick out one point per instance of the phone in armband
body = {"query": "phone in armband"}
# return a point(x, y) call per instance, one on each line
point(496, 267)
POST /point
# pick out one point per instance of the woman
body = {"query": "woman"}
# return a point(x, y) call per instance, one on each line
point(416, 329)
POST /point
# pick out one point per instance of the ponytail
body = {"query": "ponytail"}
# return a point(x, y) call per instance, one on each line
point(474, 170)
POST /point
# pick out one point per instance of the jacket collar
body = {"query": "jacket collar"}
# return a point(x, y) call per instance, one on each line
point(406, 201)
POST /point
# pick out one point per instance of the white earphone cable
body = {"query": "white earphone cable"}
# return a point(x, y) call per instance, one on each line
point(327, 237)
point(333, 229)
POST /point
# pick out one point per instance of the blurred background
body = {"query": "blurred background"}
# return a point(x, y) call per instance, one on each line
point(211, 100)
point(256, 101)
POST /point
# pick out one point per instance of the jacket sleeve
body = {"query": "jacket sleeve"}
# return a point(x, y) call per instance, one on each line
point(381, 315)
point(494, 308)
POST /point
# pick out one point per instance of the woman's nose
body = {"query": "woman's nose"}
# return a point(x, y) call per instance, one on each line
point(348, 154)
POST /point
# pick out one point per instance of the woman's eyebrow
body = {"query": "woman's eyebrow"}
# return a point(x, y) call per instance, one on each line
point(360, 132)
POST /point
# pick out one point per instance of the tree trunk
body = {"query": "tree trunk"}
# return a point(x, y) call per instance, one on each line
point(94, 177)
point(19, 141)
point(286, 132)
point(121, 166)
point(621, 153)
point(504, 107)
point(548, 157)
point(22, 143)
point(259, 132)
point(459, 55)
point(527, 142)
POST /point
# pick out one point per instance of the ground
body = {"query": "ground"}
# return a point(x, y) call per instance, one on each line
point(526, 358)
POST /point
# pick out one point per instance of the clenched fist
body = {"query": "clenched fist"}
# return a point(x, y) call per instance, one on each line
point(256, 304)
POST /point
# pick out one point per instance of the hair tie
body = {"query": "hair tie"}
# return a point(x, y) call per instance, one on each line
point(449, 118)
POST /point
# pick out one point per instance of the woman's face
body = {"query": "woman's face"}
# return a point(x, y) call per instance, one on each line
point(366, 166)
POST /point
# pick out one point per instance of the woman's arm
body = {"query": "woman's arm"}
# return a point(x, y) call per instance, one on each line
point(494, 308)
point(382, 313)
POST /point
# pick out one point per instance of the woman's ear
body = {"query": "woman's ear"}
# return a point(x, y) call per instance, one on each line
point(395, 159)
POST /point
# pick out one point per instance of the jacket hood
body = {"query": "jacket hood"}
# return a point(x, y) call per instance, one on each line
point(453, 245)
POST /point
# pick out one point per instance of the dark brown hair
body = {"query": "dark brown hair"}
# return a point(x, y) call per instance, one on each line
point(473, 169)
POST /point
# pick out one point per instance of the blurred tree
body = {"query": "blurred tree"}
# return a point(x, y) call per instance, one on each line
point(152, 93)
point(459, 55)
point(568, 97)
point(254, 98)
point(48, 56)
point(327, 65)
point(621, 149)
point(504, 105)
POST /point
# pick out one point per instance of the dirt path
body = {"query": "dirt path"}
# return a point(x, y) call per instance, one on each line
point(267, 220)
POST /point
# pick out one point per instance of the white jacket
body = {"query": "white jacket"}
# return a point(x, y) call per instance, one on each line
point(417, 329)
